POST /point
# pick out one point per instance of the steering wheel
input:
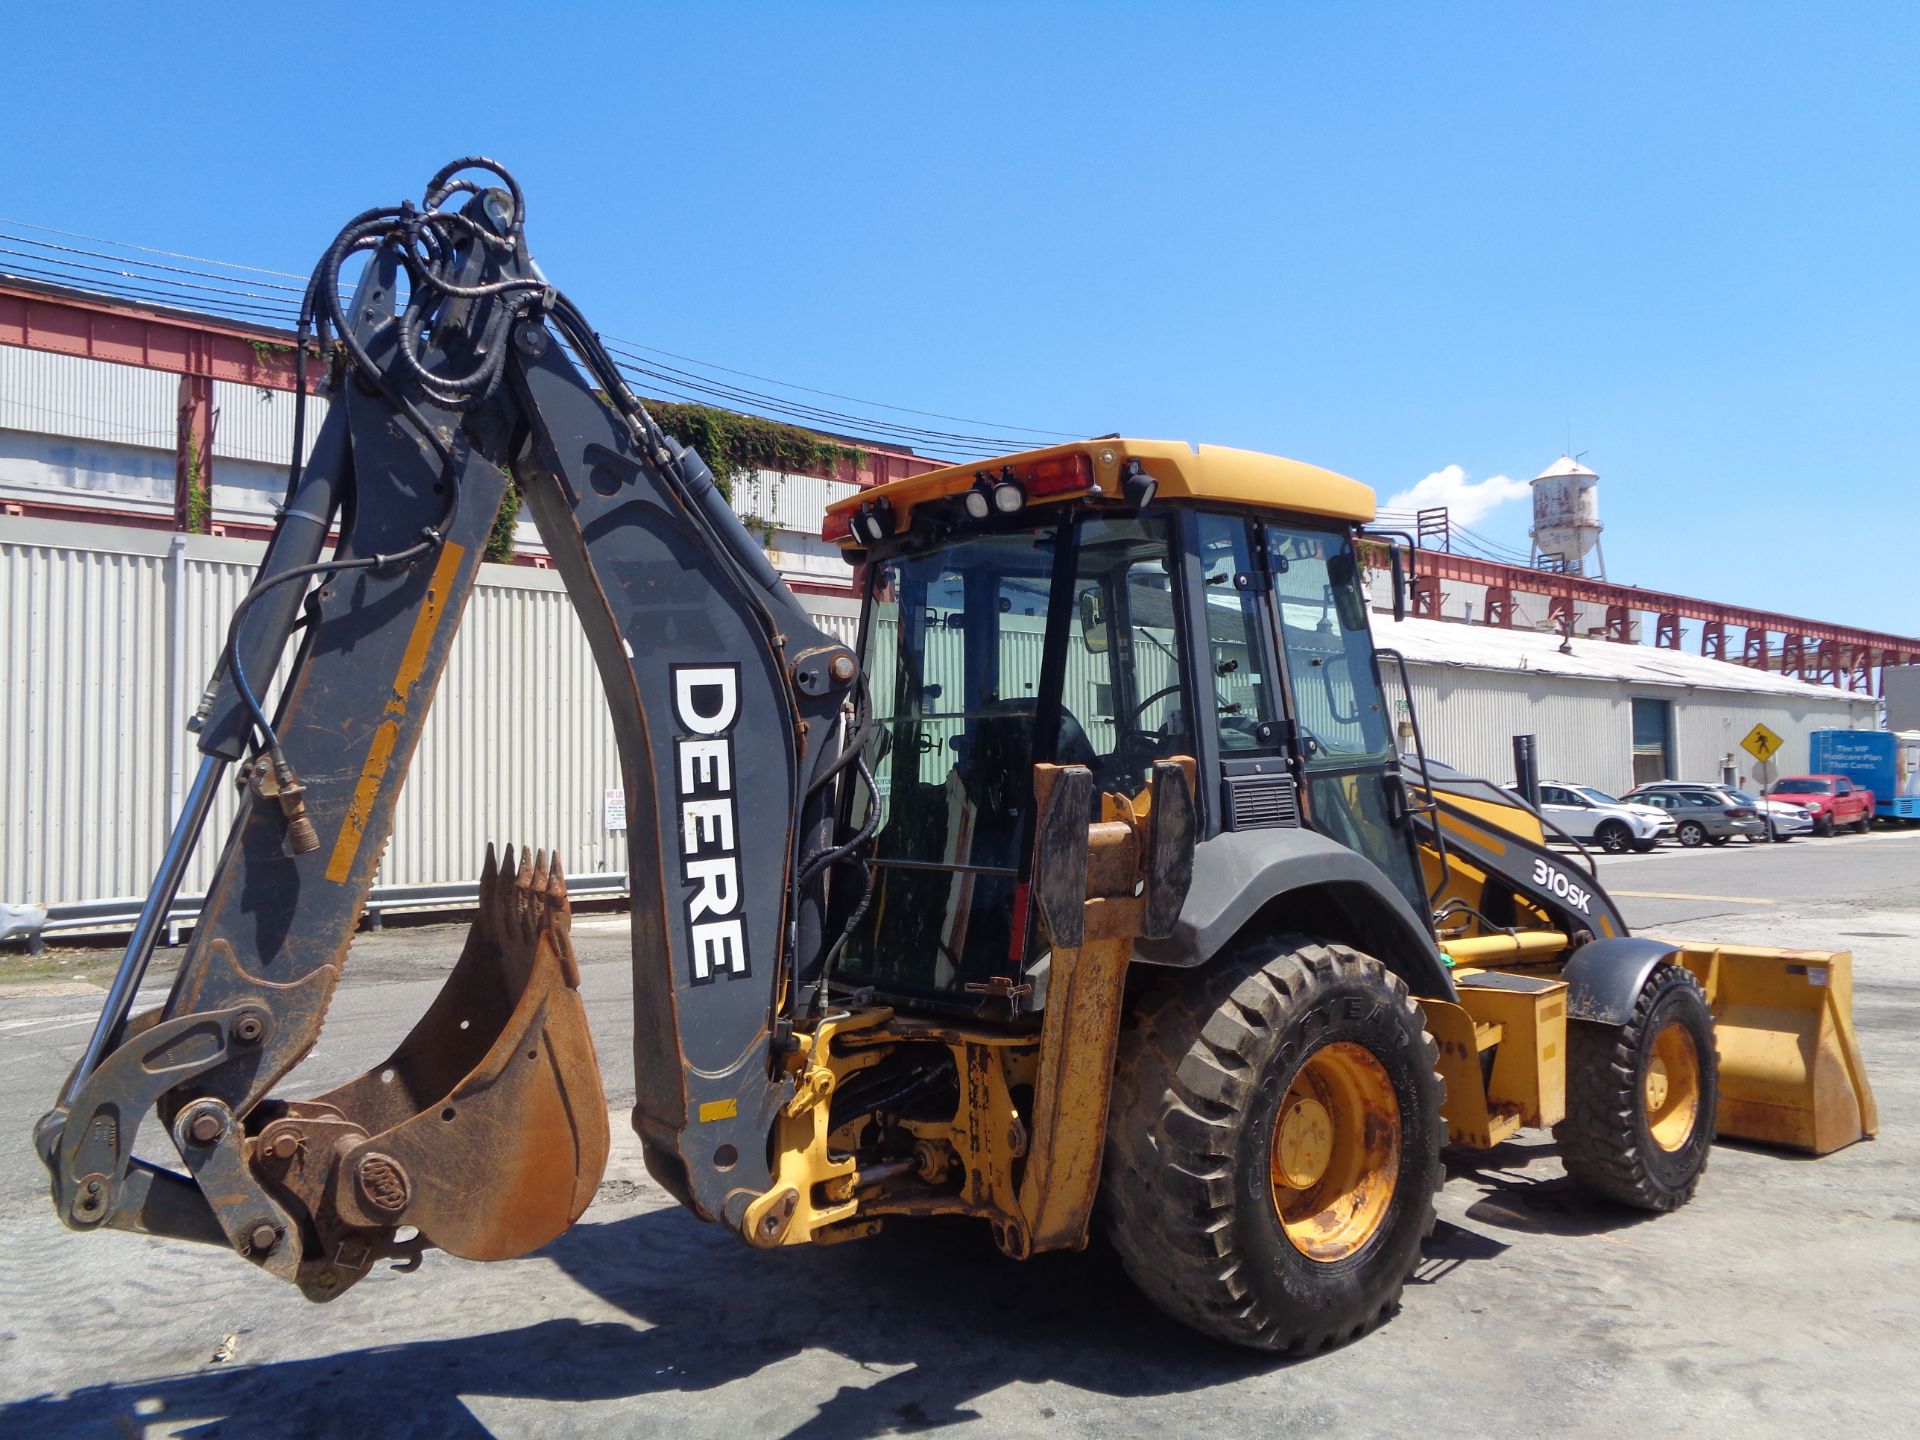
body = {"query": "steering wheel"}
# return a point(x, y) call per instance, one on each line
point(1138, 746)
point(1141, 709)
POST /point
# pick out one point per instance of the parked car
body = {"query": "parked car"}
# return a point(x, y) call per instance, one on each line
point(1834, 800)
point(1701, 815)
point(1789, 819)
point(1589, 814)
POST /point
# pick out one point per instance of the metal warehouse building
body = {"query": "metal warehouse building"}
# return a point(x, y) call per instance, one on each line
point(111, 632)
point(1605, 714)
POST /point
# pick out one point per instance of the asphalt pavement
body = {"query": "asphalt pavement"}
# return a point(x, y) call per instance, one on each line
point(1783, 1300)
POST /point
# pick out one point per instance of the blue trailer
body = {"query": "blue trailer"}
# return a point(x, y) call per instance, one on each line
point(1871, 760)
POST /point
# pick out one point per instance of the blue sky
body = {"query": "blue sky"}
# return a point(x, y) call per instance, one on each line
point(1387, 239)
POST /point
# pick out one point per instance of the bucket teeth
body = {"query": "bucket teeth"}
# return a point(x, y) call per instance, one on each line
point(524, 892)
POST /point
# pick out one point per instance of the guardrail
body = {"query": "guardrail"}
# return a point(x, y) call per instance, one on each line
point(108, 916)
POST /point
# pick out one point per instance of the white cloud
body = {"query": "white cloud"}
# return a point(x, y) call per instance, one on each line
point(1466, 500)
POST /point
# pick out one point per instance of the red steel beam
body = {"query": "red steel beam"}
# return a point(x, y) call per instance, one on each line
point(1471, 570)
point(103, 327)
point(153, 337)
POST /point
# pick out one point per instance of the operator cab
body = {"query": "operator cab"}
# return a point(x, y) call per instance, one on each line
point(1107, 605)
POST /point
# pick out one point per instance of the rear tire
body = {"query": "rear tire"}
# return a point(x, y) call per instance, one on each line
point(1641, 1097)
point(1614, 837)
point(1718, 839)
point(1284, 1099)
point(1691, 834)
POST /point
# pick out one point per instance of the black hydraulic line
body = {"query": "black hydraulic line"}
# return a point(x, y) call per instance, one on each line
point(270, 740)
point(869, 879)
point(423, 242)
point(815, 864)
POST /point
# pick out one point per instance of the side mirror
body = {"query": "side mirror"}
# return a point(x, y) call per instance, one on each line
point(1093, 623)
point(1399, 581)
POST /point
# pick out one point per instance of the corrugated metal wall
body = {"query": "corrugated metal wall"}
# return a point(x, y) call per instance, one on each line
point(257, 424)
point(82, 782)
point(84, 399)
point(519, 745)
point(1468, 719)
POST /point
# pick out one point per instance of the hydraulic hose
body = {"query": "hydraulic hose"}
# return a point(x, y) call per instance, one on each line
point(426, 242)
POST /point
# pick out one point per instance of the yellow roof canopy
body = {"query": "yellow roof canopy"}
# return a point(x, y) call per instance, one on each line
point(1212, 474)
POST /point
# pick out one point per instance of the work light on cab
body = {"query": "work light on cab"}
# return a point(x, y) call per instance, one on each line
point(873, 521)
point(1008, 494)
point(979, 501)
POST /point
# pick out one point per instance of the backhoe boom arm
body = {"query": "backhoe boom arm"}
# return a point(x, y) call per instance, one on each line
point(730, 708)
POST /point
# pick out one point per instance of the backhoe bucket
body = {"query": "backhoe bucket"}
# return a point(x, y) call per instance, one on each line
point(1790, 1068)
point(487, 1129)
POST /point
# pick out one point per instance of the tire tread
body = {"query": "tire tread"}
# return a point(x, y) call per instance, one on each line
point(1601, 1140)
point(1174, 1127)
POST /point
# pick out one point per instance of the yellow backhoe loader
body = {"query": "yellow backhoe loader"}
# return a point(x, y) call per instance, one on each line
point(1092, 871)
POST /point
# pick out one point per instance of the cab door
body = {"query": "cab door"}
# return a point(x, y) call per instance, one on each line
point(1341, 739)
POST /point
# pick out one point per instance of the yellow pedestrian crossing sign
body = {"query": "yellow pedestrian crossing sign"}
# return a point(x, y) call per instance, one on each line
point(1762, 743)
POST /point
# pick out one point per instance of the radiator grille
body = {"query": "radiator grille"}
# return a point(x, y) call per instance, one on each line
point(1258, 802)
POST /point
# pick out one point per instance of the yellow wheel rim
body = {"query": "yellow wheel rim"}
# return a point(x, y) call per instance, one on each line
point(1672, 1089)
point(1335, 1152)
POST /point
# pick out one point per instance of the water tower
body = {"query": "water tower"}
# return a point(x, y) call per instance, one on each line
point(1566, 519)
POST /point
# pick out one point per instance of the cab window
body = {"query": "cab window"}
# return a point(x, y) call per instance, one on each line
point(1323, 622)
point(1243, 690)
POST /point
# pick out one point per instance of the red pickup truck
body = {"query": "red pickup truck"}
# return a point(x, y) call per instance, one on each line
point(1832, 801)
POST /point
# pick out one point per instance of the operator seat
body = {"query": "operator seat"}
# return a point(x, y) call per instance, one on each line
point(997, 767)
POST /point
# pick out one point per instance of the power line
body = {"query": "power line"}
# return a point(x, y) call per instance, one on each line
point(228, 295)
point(611, 340)
point(171, 297)
point(151, 250)
point(221, 291)
point(148, 264)
point(815, 415)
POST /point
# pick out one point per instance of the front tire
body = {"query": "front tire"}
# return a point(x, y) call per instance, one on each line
point(1824, 827)
point(1641, 1096)
point(1718, 839)
point(1691, 834)
point(1274, 1145)
point(1614, 837)
point(1641, 847)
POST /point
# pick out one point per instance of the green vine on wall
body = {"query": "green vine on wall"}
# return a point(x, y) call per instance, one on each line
point(199, 502)
point(735, 445)
point(500, 541)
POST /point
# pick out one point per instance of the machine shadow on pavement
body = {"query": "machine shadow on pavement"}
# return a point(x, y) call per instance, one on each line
point(936, 1303)
point(1512, 1199)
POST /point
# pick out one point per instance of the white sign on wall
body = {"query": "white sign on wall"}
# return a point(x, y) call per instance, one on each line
point(616, 809)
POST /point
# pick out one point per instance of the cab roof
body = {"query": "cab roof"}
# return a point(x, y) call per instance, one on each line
point(1213, 474)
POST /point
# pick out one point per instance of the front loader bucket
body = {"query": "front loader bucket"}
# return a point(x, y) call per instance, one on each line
point(486, 1130)
point(1790, 1068)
